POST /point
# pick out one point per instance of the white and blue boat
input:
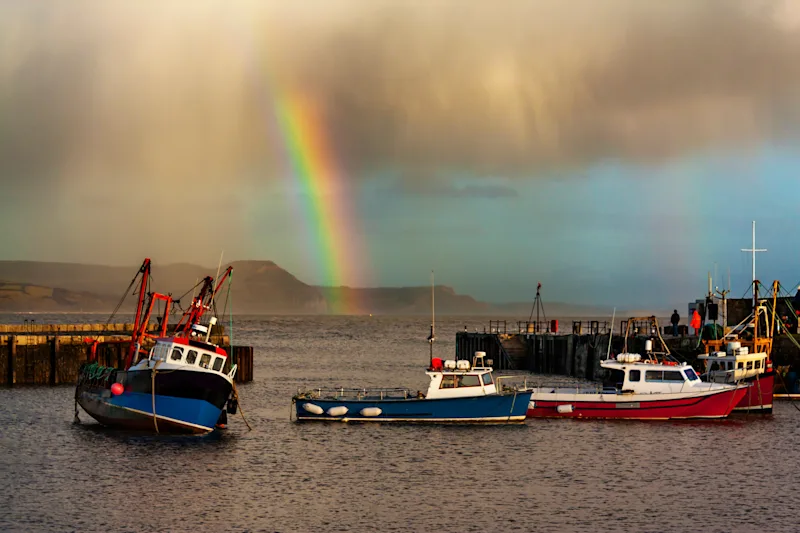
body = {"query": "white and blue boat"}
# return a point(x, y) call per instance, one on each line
point(459, 392)
point(180, 385)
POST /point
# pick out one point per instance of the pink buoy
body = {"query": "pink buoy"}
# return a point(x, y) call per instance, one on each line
point(117, 389)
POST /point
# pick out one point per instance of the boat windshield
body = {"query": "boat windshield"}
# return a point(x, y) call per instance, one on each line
point(690, 373)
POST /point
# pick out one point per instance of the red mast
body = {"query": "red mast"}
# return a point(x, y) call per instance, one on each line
point(201, 303)
point(144, 270)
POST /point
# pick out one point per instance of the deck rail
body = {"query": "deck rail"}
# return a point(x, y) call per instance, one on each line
point(343, 393)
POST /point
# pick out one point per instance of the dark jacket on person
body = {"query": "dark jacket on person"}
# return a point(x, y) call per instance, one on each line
point(675, 318)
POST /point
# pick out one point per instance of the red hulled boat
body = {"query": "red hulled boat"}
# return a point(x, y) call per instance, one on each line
point(651, 387)
point(742, 356)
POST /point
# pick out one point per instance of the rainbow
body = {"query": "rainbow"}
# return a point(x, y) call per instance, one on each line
point(327, 200)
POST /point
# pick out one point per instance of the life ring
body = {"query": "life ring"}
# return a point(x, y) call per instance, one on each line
point(670, 363)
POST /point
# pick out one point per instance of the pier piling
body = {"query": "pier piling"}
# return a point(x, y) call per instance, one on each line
point(51, 354)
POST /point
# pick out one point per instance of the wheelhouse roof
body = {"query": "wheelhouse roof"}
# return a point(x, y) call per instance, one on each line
point(196, 344)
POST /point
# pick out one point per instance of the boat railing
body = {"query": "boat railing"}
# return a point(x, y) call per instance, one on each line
point(511, 383)
point(342, 393)
point(577, 388)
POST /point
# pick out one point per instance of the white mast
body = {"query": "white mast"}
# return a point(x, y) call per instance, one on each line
point(754, 250)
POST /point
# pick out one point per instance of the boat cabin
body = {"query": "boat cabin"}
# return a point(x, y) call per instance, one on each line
point(734, 364)
point(460, 379)
point(629, 374)
point(187, 353)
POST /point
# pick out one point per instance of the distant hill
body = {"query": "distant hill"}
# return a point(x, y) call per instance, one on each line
point(259, 287)
point(26, 297)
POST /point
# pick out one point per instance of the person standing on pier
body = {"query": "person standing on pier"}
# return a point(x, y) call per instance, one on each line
point(696, 322)
point(675, 319)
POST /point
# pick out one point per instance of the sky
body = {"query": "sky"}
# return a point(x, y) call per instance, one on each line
point(616, 151)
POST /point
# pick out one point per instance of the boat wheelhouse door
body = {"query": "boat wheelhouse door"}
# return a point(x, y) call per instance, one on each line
point(614, 379)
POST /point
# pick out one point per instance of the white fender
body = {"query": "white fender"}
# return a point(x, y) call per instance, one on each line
point(371, 411)
point(339, 410)
point(531, 405)
point(313, 409)
point(563, 409)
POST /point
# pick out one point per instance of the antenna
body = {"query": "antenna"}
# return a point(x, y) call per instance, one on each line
point(213, 292)
point(753, 250)
point(537, 305)
point(611, 333)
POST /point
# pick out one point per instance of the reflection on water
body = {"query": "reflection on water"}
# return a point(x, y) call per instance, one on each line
point(547, 475)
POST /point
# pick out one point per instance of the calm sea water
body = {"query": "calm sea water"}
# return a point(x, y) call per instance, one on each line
point(546, 475)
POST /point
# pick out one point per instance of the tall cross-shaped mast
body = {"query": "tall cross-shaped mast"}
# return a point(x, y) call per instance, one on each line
point(754, 250)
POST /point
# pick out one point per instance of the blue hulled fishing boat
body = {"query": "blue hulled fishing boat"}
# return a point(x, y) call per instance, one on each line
point(458, 392)
point(180, 385)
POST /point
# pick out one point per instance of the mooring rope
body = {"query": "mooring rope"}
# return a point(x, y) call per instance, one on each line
point(513, 401)
point(241, 411)
point(788, 394)
point(153, 392)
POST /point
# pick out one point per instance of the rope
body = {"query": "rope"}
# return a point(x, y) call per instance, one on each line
point(789, 395)
point(153, 393)
point(241, 411)
point(513, 401)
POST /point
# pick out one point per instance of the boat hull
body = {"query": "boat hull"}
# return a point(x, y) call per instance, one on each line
point(759, 396)
point(635, 407)
point(185, 401)
point(491, 409)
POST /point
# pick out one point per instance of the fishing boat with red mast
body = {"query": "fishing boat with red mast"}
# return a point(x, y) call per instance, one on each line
point(653, 386)
point(177, 386)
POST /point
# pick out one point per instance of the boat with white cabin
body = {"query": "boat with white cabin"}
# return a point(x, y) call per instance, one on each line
point(180, 385)
point(653, 386)
point(458, 392)
point(742, 355)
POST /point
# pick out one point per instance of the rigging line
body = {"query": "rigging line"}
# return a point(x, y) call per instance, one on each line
point(122, 300)
point(190, 290)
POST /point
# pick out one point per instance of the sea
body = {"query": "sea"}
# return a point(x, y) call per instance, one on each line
point(733, 475)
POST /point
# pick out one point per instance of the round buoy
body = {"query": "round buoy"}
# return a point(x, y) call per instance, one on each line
point(117, 389)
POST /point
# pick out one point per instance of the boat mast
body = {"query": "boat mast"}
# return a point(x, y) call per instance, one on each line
point(144, 270)
point(753, 250)
point(432, 336)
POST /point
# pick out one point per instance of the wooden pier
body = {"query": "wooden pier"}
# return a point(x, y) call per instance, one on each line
point(51, 354)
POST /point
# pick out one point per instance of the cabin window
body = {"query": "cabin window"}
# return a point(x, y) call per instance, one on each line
point(487, 379)
point(717, 366)
point(205, 359)
point(177, 354)
point(758, 364)
point(191, 357)
point(635, 375)
point(672, 375)
point(690, 373)
point(218, 363)
point(749, 365)
point(160, 352)
point(739, 365)
point(448, 382)
point(653, 375)
point(469, 380)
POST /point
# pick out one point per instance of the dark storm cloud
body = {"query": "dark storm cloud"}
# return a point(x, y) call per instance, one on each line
point(183, 91)
point(152, 102)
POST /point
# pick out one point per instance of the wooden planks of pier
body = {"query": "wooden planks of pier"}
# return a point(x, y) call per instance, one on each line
point(51, 354)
